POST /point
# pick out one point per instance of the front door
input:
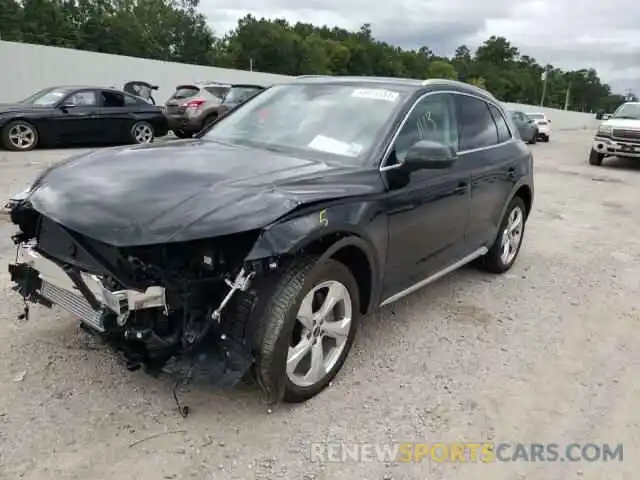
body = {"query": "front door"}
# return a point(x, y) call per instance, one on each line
point(427, 209)
point(77, 119)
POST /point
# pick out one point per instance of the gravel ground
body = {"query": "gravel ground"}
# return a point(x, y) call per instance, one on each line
point(545, 353)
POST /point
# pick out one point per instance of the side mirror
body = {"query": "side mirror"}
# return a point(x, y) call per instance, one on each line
point(427, 154)
point(549, 121)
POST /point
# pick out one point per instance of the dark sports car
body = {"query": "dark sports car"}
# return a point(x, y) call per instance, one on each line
point(257, 246)
point(75, 115)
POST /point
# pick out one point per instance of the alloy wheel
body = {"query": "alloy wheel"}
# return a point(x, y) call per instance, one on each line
point(21, 136)
point(142, 133)
point(512, 236)
point(323, 324)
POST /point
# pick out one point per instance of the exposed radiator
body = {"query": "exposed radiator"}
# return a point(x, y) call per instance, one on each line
point(74, 304)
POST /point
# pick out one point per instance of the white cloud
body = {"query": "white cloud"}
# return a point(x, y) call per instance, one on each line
point(566, 33)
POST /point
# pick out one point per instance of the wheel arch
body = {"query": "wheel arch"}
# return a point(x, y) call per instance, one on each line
point(344, 243)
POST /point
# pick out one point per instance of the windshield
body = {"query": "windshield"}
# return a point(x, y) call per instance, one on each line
point(47, 97)
point(329, 122)
point(629, 111)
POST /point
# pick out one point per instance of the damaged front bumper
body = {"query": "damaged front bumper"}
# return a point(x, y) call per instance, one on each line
point(79, 293)
point(216, 358)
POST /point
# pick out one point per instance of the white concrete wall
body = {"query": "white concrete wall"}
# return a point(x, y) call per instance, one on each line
point(28, 68)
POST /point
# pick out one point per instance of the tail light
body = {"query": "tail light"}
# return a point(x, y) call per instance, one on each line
point(194, 104)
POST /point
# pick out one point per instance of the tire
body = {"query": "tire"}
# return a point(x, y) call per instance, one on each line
point(280, 328)
point(142, 132)
point(182, 134)
point(546, 139)
point(534, 139)
point(494, 261)
point(208, 121)
point(20, 136)
point(595, 158)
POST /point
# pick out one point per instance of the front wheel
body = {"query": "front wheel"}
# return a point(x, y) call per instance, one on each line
point(142, 132)
point(595, 158)
point(20, 136)
point(308, 329)
point(506, 247)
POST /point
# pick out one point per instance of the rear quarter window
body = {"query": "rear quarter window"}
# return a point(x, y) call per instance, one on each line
point(477, 127)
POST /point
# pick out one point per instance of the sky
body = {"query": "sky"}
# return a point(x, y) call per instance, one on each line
point(569, 34)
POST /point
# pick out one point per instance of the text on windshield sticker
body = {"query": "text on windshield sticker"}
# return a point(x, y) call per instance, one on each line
point(375, 94)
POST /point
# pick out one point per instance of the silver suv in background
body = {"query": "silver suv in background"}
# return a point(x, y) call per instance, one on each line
point(193, 107)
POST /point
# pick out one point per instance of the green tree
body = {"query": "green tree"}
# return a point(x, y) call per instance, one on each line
point(176, 30)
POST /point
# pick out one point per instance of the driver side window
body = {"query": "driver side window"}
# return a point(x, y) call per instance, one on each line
point(433, 118)
point(83, 98)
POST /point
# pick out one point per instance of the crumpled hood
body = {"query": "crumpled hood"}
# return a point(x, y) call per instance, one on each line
point(185, 190)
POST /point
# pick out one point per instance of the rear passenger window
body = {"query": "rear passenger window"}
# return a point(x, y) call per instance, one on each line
point(477, 128)
point(504, 133)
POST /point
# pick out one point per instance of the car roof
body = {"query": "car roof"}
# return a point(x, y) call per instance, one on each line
point(407, 83)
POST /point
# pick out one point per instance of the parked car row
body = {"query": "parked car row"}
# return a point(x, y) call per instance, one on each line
point(304, 209)
point(532, 126)
point(90, 115)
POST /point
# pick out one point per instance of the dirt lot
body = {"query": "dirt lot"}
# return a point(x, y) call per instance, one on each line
point(547, 353)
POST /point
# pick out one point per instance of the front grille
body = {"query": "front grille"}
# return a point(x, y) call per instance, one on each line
point(625, 134)
point(74, 304)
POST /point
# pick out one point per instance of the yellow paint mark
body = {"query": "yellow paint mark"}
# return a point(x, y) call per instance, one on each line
point(323, 218)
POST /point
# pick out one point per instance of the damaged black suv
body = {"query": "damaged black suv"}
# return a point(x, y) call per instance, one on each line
point(259, 245)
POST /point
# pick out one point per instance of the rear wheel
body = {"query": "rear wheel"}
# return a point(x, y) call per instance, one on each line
point(506, 247)
point(20, 136)
point(545, 138)
point(595, 158)
point(309, 326)
point(142, 132)
point(208, 122)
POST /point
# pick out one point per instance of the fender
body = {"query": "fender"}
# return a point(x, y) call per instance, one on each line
point(294, 235)
point(522, 182)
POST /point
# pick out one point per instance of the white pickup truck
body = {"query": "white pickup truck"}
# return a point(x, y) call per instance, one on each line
point(619, 136)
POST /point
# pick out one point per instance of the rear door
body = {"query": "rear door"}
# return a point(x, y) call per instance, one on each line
point(116, 117)
point(489, 154)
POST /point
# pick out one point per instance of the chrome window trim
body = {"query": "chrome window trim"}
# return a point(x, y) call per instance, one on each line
point(387, 152)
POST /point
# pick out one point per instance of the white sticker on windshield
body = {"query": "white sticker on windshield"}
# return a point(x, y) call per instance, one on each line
point(331, 145)
point(375, 94)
